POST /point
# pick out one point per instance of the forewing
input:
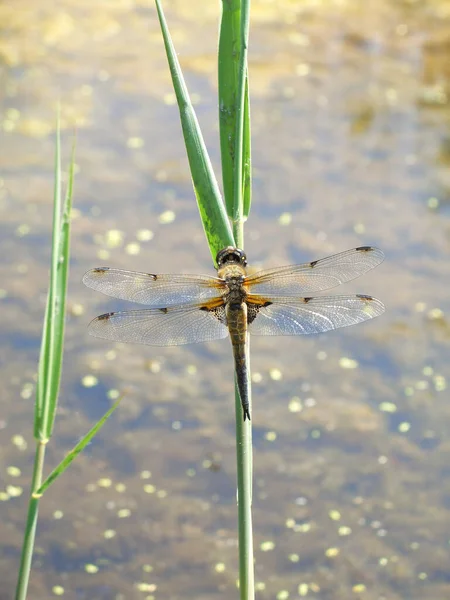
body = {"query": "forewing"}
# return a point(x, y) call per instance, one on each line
point(317, 275)
point(162, 326)
point(153, 290)
point(287, 316)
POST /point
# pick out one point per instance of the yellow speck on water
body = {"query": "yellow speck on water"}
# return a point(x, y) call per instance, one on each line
point(170, 99)
point(113, 394)
point(104, 482)
point(302, 528)
point(177, 425)
point(123, 513)
point(14, 491)
point(295, 405)
point(147, 568)
point(167, 217)
point(23, 230)
point(440, 383)
point(334, 515)
point(58, 590)
point(409, 390)
point(433, 203)
point(146, 587)
point(359, 228)
point(404, 427)
point(20, 442)
point(219, 567)
point(267, 546)
point(58, 514)
point(77, 309)
point(331, 552)
point(275, 374)
point(315, 434)
point(383, 561)
point(27, 391)
point(109, 534)
point(103, 254)
point(149, 488)
point(428, 371)
point(161, 494)
point(435, 313)
point(89, 568)
point(257, 377)
point(191, 370)
point(290, 523)
point(348, 363)
point(294, 558)
point(420, 306)
point(422, 385)
point(145, 474)
point(388, 407)
point(282, 595)
point(111, 355)
point(358, 588)
point(302, 69)
point(154, 366)
point(321, 355)
point(144, 235)
point(344, 530)
point(13, 471)
point(260, 586)
point(133, 248)
point(422, 576)
point(285, 219)
point(270, 436)
point(89, 381)
point(135, 142)
point(382, 460)
point(120, 487)
point(303, 589)
point(114, 238)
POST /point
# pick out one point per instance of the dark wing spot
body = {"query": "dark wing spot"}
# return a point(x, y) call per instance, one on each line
point(364, 249)
point(313, 263)
point(364, 297)
point(153, 276)
point(105, 317)
point(101, 270)
point(164, 310)
point(306, 300)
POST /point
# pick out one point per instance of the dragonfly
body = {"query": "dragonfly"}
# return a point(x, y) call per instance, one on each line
point(185, 309)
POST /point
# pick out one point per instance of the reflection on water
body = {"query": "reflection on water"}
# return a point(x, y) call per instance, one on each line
point(352, 488)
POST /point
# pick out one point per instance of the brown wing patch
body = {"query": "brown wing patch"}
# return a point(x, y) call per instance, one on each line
point(105, 317)
point(101, 270)
point(254, 305)
point(216, 308)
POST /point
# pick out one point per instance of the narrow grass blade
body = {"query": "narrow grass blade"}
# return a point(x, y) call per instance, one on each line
point(212, 211)
point(75, 451)
point(50, 363)
point(230, 47)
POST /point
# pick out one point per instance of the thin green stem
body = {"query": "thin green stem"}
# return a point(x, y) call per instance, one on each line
point(240, 113)
point(30, 529)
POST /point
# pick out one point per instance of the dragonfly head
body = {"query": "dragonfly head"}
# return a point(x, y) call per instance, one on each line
point(231, 255)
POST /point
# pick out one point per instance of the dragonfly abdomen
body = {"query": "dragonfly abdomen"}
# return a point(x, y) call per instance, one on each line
point(237, 325)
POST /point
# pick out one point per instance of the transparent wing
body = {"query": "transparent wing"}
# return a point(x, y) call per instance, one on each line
point(153, 290)
point(287, 316)
point(162, 326)
point(317, 275)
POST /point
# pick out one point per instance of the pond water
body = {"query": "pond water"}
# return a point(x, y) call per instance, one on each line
point(351, 146)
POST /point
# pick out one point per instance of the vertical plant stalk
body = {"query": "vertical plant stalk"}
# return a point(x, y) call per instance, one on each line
point(31, 524)
point(50, 359)
point(237, 212)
